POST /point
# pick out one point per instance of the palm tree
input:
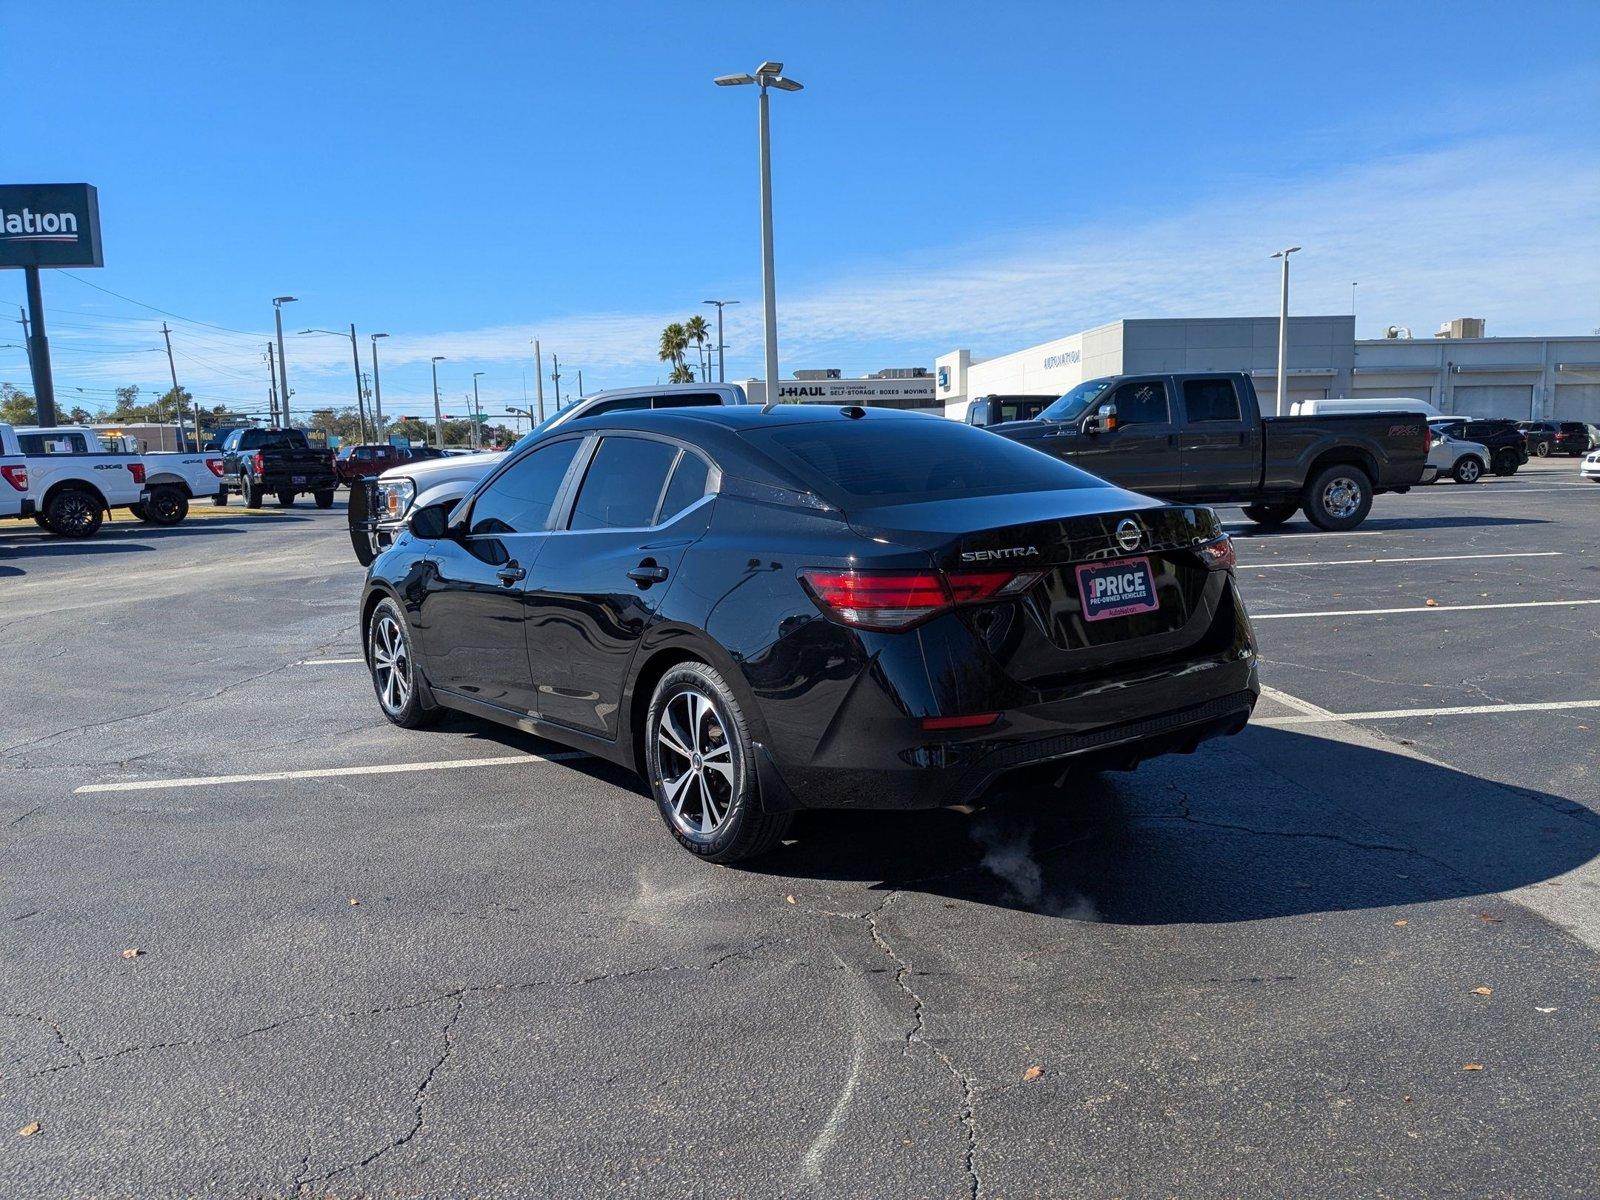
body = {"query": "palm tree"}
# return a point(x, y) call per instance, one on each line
point(698, 332)
point(682, 373)
point(674, 342)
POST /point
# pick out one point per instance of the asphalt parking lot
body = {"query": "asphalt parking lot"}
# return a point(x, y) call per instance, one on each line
point(1352, 952)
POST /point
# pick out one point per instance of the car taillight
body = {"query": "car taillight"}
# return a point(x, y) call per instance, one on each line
point(137, 469)
point(899, 599)
point(17, 477)
point(257, 462)
point(1427, 438)
point(215, 466)
point(1218, 553)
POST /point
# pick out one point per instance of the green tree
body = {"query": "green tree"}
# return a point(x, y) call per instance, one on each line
point(682, 373)
point(698, 332)
point(674, 344)
point(17, 406)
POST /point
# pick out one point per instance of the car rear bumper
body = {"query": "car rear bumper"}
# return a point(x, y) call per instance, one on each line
point(1117, 724)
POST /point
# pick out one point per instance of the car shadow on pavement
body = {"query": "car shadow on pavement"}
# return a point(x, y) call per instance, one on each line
point(114, 540)
point(1242, 530)
point(1276, 824)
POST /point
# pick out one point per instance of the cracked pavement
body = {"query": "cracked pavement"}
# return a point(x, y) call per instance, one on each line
point(1246, 972)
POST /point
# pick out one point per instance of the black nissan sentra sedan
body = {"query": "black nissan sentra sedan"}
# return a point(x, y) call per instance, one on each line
point(810, 607)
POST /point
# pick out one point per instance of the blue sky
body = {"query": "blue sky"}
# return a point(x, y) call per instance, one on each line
point(468, 177)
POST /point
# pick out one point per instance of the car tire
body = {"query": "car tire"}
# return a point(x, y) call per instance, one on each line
point(254, 495)
point(700, 765)
point(167, 506)
point(1338, 498)
point(73, 513)
point(1505, 463)
point(286, 499)
point(41, 521)
point(323, 499)
point(402, 693)
point(138, 511)
point(220, 500)
point(1541, 449)
point(1468, 469)
point(1270, 515)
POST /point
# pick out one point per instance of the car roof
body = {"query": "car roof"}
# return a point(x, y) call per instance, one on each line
point(742, 417)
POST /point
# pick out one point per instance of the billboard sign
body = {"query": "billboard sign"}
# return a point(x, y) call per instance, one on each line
point(49, 225)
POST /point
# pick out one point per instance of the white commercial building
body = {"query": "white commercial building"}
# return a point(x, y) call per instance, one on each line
point(1550, 378)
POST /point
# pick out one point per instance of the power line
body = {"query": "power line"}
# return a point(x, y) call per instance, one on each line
point(153, 308)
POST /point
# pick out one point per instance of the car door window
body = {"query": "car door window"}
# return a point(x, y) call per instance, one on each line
point(623, 484)
point(520, 499)
point(688, 484)
point(1209, 400)
point(1143, 402)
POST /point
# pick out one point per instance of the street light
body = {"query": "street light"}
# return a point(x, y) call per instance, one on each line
point(477, 412)
point(768, 74)
point(355, 359)
point(438, 417)
point(283, 364)
point(722, 374)
point(377, 392)
point(1283, 330)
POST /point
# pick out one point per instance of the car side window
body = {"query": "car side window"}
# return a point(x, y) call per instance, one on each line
point(520, 500)
point(685, 400)
point(60, 443)
point(688, 484)
point(1143, 402)
point(1210, 400)
point(623, 484)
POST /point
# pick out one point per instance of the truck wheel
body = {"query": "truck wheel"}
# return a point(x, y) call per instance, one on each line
point(40, 520)
point(167, 506)
point(285, 499)
point(1468, 470)
point(138, 511)
point(1270, 515)
point(220, 500)
point(1505, 463)
point(1542, 449)
point(324, 499)
point(253, 494)
point(1338, 498)
point(73, 513)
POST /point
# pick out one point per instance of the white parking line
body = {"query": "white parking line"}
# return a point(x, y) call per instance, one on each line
point(449, 764)
point(329, 662)
point(1304, 707)
point(1362, 562)
point(1437, 608)
point(1397, 714)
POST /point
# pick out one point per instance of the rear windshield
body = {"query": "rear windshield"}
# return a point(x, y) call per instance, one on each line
point(272, 439)
point(905, 461)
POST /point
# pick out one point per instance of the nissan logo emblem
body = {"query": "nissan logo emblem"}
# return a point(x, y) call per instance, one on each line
point(1128, 534)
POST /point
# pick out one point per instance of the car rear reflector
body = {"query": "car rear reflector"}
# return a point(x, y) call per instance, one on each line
point(138, 471)
point(1219, 554)
point(17, 477)
point(970, 721)
point(899, 599)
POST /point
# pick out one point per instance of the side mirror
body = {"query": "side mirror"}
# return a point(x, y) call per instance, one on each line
point(430, 523)
point(1102, 420)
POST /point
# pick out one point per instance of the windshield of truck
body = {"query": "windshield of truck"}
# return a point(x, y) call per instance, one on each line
point(1076, 402)
point(272, 439)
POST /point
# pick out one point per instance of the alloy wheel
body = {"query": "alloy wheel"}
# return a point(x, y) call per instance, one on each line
point(75, 513)
point(391, 664)
point(1342, 497)
point(165, 506)
point(696, 764)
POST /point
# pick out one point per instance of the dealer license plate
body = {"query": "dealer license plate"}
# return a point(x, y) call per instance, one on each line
point(1117, 589)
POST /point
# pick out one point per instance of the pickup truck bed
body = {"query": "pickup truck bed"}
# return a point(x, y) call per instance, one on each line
point(1200, 438)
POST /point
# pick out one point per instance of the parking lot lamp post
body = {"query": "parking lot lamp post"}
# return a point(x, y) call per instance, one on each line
point(377, 391)
point(722, 373)
point(355, 360)
point(1283, 331)
point(768, 74)
point(283, 365)
point(438, 416)
point(477, 414)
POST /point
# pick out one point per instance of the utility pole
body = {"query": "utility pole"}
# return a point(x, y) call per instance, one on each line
point(283, 363)
point(23, 313)
point(580, 383)
point(438, 415)
point(361, 407)
point(555, 374)
point(477, 414)
point(272, 371)
point(377, 390)
point(722, 373)
point(177, 395)
point(538, 377)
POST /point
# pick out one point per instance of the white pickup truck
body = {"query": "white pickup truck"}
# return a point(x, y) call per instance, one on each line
point(14, 498)
point(72, 481)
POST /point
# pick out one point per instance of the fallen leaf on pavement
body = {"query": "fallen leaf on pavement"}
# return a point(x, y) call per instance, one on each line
point(1536, 1008)
point(1488, 919)
point(1430, 602)
point(788, 899)
point(1482, 991)
point(1032, 1073)
point(354, 902)
point(1401, 924)
point(132, 952)
point(28, 1130)
point(1472, 1067)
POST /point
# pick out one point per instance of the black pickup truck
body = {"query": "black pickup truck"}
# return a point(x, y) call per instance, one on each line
point(256, 462)
point(1201, 437)
point(996, 410)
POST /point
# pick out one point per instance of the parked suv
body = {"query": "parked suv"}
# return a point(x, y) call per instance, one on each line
point(1465, 462)
point(368, 460)
point(1507, 445)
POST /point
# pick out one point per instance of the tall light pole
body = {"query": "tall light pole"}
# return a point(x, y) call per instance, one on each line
point(722, 373)
point(555, 375)
point(767, 75)
point(355, 360)
point(538, 378)
point(1283, 331)
point(283, 365)
point(438, 416)
point(377, 391)
point(477, 414)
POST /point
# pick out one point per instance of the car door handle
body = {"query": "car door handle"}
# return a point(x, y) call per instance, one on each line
point(511, 573)
point(647, 573)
